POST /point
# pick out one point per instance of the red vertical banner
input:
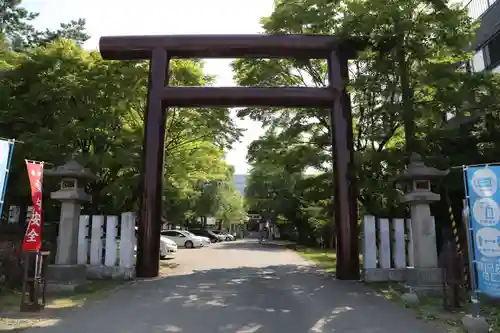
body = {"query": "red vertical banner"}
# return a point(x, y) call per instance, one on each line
point(33, 238)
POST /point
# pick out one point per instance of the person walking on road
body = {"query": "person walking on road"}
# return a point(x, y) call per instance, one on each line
point(264, 234)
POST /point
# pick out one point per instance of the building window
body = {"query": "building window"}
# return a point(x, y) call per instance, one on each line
point(494, 51)
point(476, 8)
point(496, 69)
point(478, 63)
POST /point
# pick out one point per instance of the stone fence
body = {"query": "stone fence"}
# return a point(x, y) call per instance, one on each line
point(106, 245)
point(387, 249)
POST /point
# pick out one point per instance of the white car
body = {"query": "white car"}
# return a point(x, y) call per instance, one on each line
point(229, 237)
point(224, 236)
point(182, 239)
point(168, 248)
point(220, 237)
point(206, 241)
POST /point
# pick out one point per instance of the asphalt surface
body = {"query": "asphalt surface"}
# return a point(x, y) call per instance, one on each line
point(241, 287)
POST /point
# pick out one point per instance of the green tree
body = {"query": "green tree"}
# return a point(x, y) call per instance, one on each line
point(16, 27)
point(14, 22)
point(231, 208)
point(60, 99)
point(402, 85)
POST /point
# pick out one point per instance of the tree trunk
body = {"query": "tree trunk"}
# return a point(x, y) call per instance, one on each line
point(406, 94)
point(95, 194)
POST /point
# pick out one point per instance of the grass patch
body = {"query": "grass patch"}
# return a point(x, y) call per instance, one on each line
point(389, 290)
point(429, 308)
point(12, 320)
point(11, 300)
point(92, 290)
point(327, 259)
point(492, 314)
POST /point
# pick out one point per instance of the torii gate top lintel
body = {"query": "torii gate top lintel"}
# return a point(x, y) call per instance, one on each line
point(228, 46)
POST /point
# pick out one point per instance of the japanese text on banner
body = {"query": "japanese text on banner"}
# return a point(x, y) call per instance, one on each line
point(484, 213)
point(33, 237)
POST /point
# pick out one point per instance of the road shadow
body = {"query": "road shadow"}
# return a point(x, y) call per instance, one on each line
point(249, 245)
point(282, 298)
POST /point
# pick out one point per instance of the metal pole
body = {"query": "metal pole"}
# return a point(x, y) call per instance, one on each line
point(470, 247)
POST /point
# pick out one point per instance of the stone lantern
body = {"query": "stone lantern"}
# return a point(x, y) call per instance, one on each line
point(73, 179)
point(417, 177)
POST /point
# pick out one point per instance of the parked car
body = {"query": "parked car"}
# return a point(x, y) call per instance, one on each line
point(227, 236)
point(168, 248)
point(230, 236)
point(207, 233)
point(182, 239)
point(205, 240)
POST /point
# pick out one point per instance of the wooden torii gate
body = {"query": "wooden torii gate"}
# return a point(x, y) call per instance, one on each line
point(160, 49)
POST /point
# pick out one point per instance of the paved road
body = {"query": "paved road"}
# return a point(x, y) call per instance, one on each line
point(241, 287)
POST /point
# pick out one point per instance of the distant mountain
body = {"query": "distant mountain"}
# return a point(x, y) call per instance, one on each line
point(239, 182)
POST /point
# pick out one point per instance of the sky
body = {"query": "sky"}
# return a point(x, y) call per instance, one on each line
point(162, 17)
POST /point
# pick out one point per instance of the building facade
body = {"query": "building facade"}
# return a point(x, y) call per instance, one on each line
point(487, 42)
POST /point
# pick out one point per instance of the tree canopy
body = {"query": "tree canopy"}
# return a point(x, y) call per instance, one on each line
point(403, 89)
point(57, 99)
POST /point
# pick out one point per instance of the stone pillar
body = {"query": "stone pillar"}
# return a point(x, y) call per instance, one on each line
point(424, 236)
point(67, 242)
point(67, 274)
point(425, 275)
point(71, 195)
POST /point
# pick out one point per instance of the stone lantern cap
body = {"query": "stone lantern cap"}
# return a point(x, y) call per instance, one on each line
point(71, 169)
point(417, 170)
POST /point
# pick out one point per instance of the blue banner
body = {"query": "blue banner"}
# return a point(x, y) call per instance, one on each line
point(483, 194)
point(6, 150)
